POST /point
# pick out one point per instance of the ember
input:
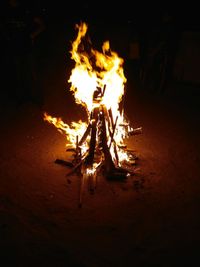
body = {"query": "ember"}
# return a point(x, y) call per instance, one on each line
point(98, 145)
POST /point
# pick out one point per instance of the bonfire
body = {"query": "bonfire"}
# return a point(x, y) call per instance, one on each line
point(98, 145)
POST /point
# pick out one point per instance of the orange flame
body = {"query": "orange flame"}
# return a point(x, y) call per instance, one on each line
point(94, 69)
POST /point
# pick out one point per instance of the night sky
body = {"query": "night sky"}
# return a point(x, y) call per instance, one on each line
point(141, 13)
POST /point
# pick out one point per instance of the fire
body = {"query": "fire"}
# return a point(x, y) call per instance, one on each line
point(106, 70)
point(98, 84)
point(76, 129)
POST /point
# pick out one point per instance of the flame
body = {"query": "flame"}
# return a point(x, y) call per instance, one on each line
point(94, 69)
point(72, 132)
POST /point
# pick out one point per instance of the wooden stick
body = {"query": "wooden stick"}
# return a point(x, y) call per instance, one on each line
point(90, 158)
point(64, 163)
point(111, 117)
point(85, 135)
point(136, 131)
point(108, 159)
point(104, 88)
point(112, 136)
point(74, 169)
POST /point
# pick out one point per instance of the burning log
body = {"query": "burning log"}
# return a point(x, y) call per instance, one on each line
point(136, 131)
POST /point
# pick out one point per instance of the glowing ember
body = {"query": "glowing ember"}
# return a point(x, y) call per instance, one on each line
point(97, 83)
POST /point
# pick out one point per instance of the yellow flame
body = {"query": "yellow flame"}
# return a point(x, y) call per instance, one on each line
point(94, 69)
point(72, 132)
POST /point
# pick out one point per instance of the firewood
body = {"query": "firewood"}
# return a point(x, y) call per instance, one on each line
point(64, 162)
